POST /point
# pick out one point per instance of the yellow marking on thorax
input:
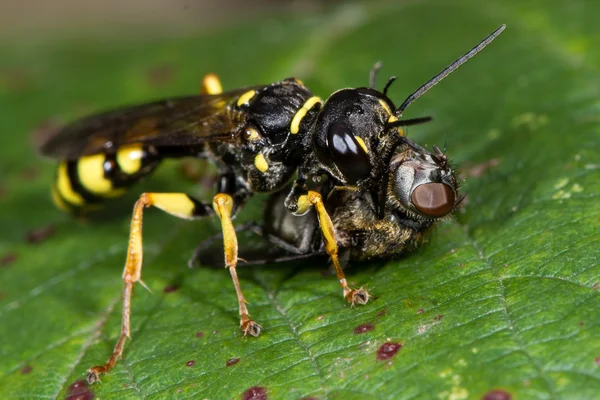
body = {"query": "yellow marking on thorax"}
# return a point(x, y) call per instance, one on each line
point(90, 171)
point(362, 144)
point(260, 162)
point(301, 113)
point(64, 188)
point(401, 132)
point(130, 158)
point(211, 84)
point(58, 200)
point(245, 98)
point(252, 135)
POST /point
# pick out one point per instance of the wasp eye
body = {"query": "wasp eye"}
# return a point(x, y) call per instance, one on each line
point(433, 199)
point(347, 153)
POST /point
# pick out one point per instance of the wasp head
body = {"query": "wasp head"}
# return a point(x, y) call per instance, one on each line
point(346, 131)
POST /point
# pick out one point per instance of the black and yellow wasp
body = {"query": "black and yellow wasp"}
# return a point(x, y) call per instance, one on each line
point(381, 193)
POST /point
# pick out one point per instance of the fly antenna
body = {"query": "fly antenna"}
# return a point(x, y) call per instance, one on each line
point(446, 71)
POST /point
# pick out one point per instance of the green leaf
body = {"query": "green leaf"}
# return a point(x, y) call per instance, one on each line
point(503, 297)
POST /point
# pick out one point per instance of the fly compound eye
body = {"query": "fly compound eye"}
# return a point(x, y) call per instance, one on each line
point(433, 199)
point(347, 153)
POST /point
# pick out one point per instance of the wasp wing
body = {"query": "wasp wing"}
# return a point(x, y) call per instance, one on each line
point(181, 121)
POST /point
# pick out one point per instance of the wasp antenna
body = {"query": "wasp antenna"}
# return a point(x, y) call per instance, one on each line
point(373, 75)
point(408, 122)
point(445, 143)
point(388, 84)
point(446, 71)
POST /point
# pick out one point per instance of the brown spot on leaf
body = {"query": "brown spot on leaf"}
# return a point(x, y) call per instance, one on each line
point(478, 170)
point(232, 361)
point(382, 313)
point(420, 311)
point(364, 328)
point(39, 235)
point(388, 350)
point(26, 369)
point(190, 363)
point(409, 304)
point(497, 394)
point(581, 323)
point(8, 259)
point(438, 317)
point(320, 317)
point(29, 173)
point(80, 391)
point(597, 360)
point(596, 286)
point(199, 334)
point(171, 288)
point(255, 393)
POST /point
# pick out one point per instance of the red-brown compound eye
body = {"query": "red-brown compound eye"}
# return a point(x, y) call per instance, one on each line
point(433, 199)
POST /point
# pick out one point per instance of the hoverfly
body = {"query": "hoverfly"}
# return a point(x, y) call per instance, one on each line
point(382, 192)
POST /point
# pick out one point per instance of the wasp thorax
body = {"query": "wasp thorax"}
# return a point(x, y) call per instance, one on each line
point(423, 186)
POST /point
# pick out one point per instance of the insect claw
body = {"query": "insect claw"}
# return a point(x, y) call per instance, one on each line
point(93, 375)
point(250, 327)
point(358, 296)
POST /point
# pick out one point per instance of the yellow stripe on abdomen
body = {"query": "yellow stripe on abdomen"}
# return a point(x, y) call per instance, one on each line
point(90, 171)
point(64, 188)
point(130, 158)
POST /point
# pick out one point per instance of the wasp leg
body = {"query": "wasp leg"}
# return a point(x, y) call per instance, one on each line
point(206, 243)
point(360, 295)
point(211, 85)
point(178, 204)
point(223, 205)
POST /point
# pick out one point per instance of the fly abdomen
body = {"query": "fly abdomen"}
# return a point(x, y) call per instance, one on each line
point(93, 179)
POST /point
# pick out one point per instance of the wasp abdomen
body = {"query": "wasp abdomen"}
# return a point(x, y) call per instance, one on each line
point(97, 177)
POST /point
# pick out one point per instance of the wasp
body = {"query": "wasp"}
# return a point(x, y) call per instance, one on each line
point(381, 194)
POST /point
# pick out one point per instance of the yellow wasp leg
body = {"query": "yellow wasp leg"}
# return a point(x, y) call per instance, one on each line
point(211, 85)
point(178, 204)
point(223, 204)
point(360, 295)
